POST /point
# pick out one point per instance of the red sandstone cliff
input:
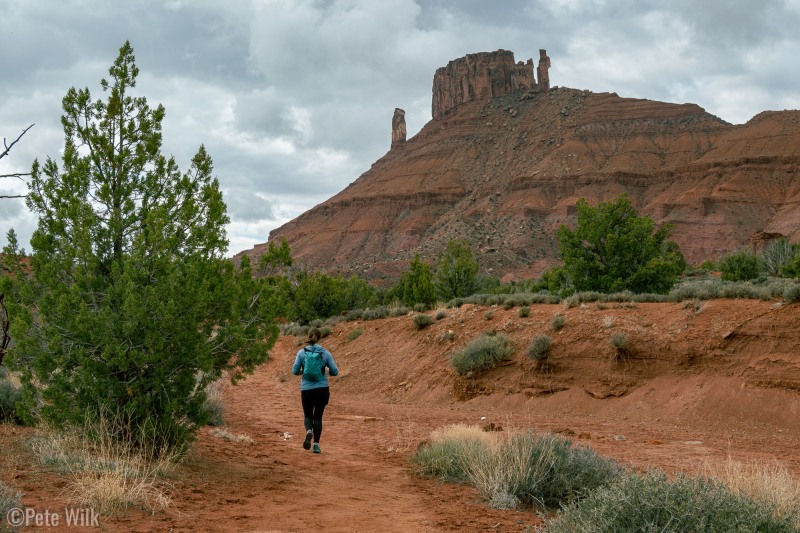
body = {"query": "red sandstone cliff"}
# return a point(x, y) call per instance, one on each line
point(505, 168)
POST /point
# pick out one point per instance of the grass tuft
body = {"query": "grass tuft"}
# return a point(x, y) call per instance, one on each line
point(108, 473)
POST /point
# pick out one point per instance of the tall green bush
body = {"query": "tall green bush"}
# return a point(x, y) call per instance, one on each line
point(614, 249)
point(741, 265)
point(415, 286)
point(456, 272)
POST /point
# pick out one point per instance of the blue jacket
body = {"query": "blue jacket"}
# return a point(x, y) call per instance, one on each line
point(297, 367)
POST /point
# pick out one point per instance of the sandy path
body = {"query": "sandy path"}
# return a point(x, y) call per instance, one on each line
point(361, 482)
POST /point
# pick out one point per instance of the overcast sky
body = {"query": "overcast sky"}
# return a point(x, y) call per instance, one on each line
point(294, 99)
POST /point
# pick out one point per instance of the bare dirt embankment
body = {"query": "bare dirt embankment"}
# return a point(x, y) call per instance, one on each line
point(698, 383)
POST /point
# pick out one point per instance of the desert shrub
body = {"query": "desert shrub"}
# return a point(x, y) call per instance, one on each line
point(583, 297)
point(707, 289)
point(296, 330)
point(9, 499)
point(325, 332)
point(539, 348)
point(420, 308)
point(108, 470)
point(422, 321)
point(557, 322)
point(354, 314)
point(449, 450)
point(441, 314)
point(652, 503)
point(508, 303)
point(741, 265)
point(376, 313)
point(488, 315)
point(543, 471)
point(483, 352)
point(524, 311)
point(792, 294)
point(353, 335)
point(620, 343)
point(399, 310)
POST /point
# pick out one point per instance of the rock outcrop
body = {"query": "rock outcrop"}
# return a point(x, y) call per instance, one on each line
point(505, 172)
point(481, 76)
point(543, 71)
point(398, 126)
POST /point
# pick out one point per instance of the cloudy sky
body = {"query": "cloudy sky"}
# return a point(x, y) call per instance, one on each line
point(293, 99)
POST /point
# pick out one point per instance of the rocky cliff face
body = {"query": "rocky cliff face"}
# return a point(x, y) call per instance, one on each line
point(479, 77)
point(505, 170)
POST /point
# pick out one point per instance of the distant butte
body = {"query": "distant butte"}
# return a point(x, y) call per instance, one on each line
point(506, 157)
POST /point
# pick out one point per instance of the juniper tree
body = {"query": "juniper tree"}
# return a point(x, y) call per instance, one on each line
point(131, 307)
point(456, 271)
point(614, 249)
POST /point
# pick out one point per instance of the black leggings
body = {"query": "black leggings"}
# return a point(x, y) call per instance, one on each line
point(314, 402)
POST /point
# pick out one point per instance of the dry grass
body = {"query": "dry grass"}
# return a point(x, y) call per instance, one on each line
point(215, 403)
point(768, 483)
point(107, 474)
point(223, 433)
point(461, 433)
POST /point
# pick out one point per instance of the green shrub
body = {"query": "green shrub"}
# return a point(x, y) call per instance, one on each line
point(483, 352)
point(739, 266)
point(652, 503)
point(488, 315)
point(557, 322)
point(524, 312)
point(539, 348)
point(353, 335)
point(440, 315)
point(612, 248)
point(422, 321)
point(9, 499)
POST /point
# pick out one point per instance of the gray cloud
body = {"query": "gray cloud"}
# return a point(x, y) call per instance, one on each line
point(294, 100)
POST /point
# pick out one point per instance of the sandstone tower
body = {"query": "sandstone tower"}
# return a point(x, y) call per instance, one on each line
point(398, 126)
point(483, 76)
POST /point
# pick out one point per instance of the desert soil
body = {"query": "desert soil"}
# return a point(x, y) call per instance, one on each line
point(698, 383)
